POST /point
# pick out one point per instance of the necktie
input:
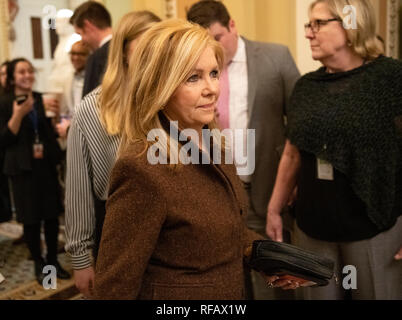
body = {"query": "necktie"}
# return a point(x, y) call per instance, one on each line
point(223, 102)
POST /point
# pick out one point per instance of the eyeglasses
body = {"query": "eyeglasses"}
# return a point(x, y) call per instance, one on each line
point(317, 24)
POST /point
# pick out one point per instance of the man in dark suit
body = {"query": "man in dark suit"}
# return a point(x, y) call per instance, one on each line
point(259, 80)
point(93, 22)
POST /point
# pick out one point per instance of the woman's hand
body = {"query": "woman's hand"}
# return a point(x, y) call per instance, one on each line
point(274, 226)
point(84, 281)
point(21, 110)
point(285, 186)
point(398, 256)
point(283, 282)
point(52, 107)
point(62, 127)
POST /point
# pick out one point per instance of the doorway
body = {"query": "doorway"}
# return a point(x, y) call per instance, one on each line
point(34, 42)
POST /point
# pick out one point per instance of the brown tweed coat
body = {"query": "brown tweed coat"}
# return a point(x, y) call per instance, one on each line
point(172, 234)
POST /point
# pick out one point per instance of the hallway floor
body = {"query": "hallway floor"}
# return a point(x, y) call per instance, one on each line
point(18, 271)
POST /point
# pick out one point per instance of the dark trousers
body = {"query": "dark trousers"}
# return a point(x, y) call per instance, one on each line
point(100, 212)
point(32, 238)
point(5, 203)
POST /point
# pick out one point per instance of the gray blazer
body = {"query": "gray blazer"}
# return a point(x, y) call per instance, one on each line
point(272, 74)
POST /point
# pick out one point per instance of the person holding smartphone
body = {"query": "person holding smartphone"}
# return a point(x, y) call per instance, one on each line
point(31, 156)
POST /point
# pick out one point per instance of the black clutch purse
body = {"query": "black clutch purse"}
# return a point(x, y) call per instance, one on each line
point(282, 259)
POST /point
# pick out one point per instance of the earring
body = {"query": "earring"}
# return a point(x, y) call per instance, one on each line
point(162, 108)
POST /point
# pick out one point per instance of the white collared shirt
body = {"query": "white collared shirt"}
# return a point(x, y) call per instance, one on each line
point(238, 84)
point(104, 40)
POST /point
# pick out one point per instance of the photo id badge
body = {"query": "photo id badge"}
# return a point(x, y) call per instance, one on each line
point(38, 150)
point(325, 170)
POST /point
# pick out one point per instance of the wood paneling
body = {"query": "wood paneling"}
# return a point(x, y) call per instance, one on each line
point(54, 40)
point(37, 41)
point(383, 19)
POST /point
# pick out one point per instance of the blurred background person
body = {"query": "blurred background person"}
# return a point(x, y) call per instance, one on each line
point(73, 86)
point(93, 141)
point(3, 76)
point(93, 23)
point(256, 84)
point(344, 152)
point(31, 156)
point(5, 201)
point(70, 99)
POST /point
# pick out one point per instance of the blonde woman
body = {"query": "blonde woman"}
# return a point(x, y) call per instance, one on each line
point(173, 230)
point(344, 152)
point(93, 141)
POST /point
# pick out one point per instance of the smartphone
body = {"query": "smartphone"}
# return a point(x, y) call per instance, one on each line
point(21, 99)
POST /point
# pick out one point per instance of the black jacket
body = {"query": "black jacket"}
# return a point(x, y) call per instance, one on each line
point(95, 68)
point(18, 152)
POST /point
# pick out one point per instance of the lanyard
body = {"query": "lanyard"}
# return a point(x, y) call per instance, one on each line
point(33, 115)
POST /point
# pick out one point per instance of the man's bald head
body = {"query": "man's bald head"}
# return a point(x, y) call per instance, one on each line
point(79, 54)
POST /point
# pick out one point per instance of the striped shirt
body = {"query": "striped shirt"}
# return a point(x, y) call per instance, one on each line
point(91, 154)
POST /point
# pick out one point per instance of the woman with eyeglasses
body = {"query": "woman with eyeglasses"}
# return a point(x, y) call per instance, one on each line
point(344, 153)
point(3, 76)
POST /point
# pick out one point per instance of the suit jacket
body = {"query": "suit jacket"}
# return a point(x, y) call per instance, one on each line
point(172, 234)
point(95, 68)
point(18, 148)
point(272, 74)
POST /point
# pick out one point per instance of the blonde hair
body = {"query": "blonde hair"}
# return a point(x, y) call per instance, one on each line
point(165, 57)
point(363, 40)
point(111, 108)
